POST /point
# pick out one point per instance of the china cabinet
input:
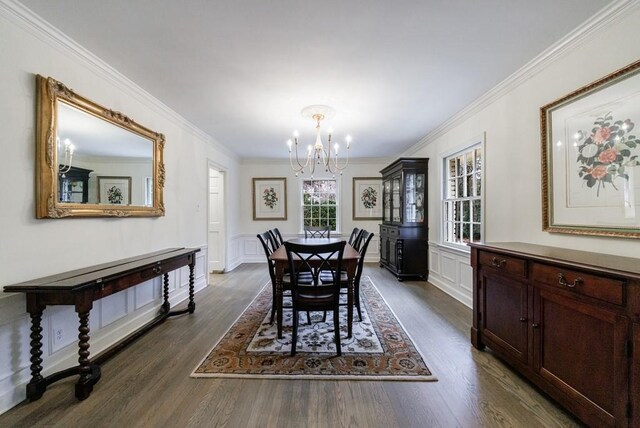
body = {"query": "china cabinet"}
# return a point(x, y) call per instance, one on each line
point(567, 320)
point(404, 230)
point(73, 185)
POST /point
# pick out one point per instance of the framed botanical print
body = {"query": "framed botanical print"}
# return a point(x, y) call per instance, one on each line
point(367, 198)
point(591, 158)
point(270, 198)
point(114, 190)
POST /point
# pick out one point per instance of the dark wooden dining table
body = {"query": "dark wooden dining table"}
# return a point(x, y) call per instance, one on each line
point(350, 259)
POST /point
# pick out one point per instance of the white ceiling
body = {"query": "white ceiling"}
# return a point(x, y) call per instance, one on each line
point(241, 70)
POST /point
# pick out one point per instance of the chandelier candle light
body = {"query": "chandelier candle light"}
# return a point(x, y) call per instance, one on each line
point(317, 154)
point(68, 156)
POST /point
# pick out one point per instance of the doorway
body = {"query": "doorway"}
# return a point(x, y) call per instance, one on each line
point(216, 233)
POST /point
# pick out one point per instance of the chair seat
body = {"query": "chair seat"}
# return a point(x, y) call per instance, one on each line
point(327, 278)
point(303, 278)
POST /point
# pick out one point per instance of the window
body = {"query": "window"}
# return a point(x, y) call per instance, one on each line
point(462, 204)
point(320, 203)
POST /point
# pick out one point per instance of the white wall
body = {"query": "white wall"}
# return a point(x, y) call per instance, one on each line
point(511, 123)
point(31, 248)
point(247, 244)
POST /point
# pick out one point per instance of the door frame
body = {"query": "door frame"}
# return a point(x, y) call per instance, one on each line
point(211, 164)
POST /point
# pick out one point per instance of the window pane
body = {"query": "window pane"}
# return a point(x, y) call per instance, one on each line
point(478, 159)
point(469, 190)
point(478, 185)
point(466, 232)
point(469, 157)
point(452, 167)
point(466, 212)
point(476, 232)
point(456, 233)
point(451, 188)
point(460, 165)
point(460, 192)
point(457, 209)
point(476, 210)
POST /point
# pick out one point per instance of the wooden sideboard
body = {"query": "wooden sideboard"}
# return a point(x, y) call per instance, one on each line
point(81, 288)
point(567, 320)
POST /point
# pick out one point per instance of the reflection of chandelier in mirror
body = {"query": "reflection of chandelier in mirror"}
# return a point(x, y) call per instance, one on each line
point(68, 150)
point(317, 154)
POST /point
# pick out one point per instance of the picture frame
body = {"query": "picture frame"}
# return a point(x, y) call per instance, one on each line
point(269, 198)
point(114, 190)
point(367, 198)
point(591, 158)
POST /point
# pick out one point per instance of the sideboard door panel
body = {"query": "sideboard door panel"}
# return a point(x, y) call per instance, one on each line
point(501, 318)
point(576, 345)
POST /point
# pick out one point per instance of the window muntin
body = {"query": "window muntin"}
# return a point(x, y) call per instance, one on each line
point(320, 203)
point(462, 204)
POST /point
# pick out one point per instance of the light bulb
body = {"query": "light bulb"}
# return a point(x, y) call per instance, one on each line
point(295, 133)
point(335, 147)
point(289, 143)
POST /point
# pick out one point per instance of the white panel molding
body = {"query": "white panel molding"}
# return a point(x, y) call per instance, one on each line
point(455, 282)
point(253, 252)
point(234, 258)
point(607, 16)
point(42, 30)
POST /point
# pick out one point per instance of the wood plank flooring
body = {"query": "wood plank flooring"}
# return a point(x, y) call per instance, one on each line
point(148, 384)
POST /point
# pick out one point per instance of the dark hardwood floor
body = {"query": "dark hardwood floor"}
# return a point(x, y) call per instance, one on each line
point(148, 383)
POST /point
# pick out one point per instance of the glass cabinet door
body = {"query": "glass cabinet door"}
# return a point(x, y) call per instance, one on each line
point(386, 215)
point(395, 199)
point(414, 198)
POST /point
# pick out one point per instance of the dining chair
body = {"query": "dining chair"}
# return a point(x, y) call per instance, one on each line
point(277, 236)
point(269, 247)
point(321, 294)
point(317, 231)
point(354, 234)
point(344, 281)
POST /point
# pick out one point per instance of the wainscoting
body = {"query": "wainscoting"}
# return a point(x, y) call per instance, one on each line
point(450, 270)
point(111, 319)
point(246, 248)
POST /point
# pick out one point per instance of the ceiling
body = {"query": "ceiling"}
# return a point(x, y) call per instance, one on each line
point(242, 70)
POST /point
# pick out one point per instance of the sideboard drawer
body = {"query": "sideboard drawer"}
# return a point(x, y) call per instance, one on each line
point(512, 265)
point(601, 288)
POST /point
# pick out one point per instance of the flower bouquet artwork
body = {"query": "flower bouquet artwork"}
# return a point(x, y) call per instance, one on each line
point(114, 190)
point(591, 158)
point(270, 198)
point(367, 194)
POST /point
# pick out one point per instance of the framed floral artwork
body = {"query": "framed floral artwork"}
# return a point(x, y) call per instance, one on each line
point(367, 198)
point(270, 198)
point(591, 158)
point(114, 190)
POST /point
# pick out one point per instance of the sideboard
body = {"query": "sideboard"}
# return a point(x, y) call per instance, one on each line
point(567, 320)
point(81, 288)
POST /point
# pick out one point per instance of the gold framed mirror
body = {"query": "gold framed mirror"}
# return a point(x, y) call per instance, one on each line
point(92, 161)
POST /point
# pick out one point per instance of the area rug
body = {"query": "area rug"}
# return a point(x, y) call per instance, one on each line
point(379, 349)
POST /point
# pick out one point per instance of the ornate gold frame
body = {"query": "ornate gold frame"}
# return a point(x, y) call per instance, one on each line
point(49, 92)
point(545, 126)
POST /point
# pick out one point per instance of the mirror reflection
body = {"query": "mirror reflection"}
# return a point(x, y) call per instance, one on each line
point(101, 163)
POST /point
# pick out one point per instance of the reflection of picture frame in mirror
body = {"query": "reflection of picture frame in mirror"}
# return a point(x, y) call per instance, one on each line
point(114, 190)
point(114, 146)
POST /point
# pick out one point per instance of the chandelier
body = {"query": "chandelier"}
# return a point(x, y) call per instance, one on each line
point(317, 154)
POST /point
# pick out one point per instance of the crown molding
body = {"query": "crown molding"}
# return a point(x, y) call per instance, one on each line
point(33, 24)
point(605, 17)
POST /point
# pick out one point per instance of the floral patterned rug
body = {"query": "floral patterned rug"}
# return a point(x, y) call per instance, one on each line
point(380, 348)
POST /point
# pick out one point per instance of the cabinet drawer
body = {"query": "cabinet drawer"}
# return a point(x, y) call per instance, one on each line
point(501, 262)
point(393, 232)
point(601, 288)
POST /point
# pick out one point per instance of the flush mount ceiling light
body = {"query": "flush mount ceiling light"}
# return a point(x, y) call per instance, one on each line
point(316, 154)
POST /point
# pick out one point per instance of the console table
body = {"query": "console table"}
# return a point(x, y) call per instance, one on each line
point(81, 288)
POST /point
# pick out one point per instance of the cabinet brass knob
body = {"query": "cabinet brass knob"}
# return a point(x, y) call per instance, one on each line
point(523, 319)
point(535, 325)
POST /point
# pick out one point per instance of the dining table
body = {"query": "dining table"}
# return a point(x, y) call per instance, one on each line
point(350, 259)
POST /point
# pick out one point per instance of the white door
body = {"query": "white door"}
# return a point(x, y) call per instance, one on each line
point(216, 238)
